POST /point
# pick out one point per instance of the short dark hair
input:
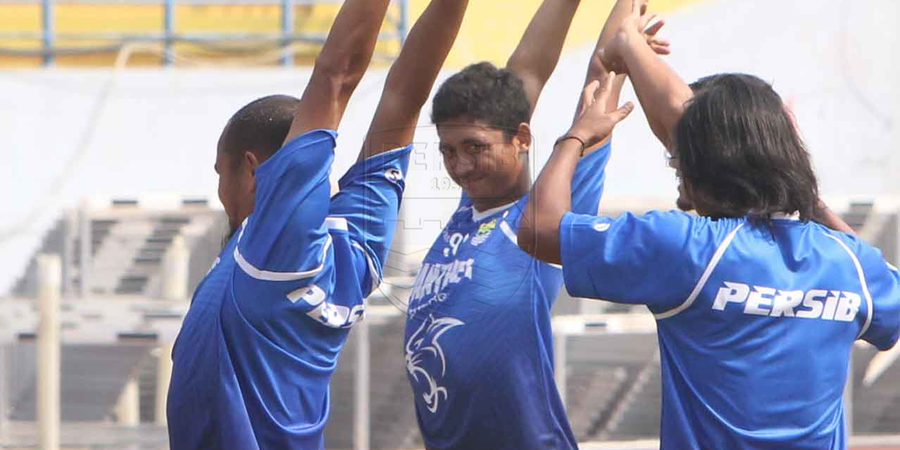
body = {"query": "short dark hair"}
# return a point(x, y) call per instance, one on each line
point(261, 126)
point(739, 152)
point(485, 93)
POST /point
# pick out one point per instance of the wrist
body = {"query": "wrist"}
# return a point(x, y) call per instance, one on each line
point(574, 139)
point(580, 133)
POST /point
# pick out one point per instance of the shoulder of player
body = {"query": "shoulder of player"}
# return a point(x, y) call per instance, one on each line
point(675, 221)
point(296, 149)
point(870, 257)
point(674, 232)
point(871, 260)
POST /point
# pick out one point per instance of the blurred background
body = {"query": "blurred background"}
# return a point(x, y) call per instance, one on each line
point(112, 113)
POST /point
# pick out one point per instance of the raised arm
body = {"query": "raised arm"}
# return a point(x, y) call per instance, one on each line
point(535, 58)
point(660, 90)
point(621, 11)
point(412, 76)
point(340, 66)
point(551, 193)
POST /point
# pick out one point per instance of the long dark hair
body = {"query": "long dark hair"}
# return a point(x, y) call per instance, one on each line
point(740, 154)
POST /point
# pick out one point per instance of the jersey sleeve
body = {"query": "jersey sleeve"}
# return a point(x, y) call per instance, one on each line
point(331, 296)
point(883, 283)
point(369, 203)
point(290, 250)
point(587, 182)
point(285, 238)
point(649, 259)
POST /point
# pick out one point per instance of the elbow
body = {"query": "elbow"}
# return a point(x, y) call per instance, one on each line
point(343, 73)
point(663, 133)
point(668, 122)
point(404, 95)
point(541, 240)
point(526, 239)
point(596, 69)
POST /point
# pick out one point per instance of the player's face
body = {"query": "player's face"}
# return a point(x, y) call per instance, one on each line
point(488, 165)
point(237, 185)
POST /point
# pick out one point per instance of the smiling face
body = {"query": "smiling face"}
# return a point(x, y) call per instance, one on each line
point(489, 165)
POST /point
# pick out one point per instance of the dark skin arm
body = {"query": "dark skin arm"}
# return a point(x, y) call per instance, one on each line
point(551, 194)
point(412, 76)
point(538, 52)
point(661, 92)
point(598, 106)
point(340, 66)
point(621, 11)
point(823, 214)
point(829, 218)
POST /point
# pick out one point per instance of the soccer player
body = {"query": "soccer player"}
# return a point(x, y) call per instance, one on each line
point(478, 342)
point(257, 349)
point(757, 306)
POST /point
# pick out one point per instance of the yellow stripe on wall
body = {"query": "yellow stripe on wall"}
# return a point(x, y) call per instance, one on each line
point(490, 32)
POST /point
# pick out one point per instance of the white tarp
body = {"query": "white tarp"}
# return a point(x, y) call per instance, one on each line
point(70, 133)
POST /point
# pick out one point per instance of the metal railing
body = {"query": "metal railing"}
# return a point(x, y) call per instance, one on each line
point(398, 20)
point(565, 328)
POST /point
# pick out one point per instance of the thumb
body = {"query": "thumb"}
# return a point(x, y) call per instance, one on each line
point(623, 112)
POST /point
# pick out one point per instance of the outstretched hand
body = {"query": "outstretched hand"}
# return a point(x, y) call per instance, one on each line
point(636, 26)
point(593, 123)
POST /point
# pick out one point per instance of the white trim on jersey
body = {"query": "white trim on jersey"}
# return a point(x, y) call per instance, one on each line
point(507, 230)
point(339, 223)
point(336, 223)
point(478, 216)
point(373, 273)
point(795, 216)
point(862, 281)
point(706, 273)
point(267, 275)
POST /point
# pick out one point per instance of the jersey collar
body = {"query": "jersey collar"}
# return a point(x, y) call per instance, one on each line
point(795, 216)
point(479, 215)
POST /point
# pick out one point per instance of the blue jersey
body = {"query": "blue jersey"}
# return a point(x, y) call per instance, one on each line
point(755, 320)
point(478, 343)
point(260, 341)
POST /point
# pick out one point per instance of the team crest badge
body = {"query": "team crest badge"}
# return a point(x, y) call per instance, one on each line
point(484, 231)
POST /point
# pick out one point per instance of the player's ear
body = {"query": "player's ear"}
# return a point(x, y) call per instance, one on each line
point(249, 163)
point(522, 139)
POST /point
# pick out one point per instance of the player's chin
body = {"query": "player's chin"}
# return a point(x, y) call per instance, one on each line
point(475, 194)
point(474, 187)
point(684, 205)
point(683, 202)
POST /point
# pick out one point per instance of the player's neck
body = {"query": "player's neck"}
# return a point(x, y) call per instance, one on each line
point(487, 204)
point(518, 190)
